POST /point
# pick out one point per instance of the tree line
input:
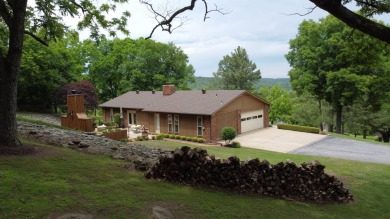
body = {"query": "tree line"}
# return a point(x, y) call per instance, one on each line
point(44, 22)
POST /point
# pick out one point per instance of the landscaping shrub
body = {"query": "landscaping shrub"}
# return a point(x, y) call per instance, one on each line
point(235, 144)
point(183, 138)
point(172, 136)
point(177, 136)
point(299, 128)
point(194, 139)
point(160, 137)
point(228, 134)
point(200, 140)
point(166, 135)
point(123, 140)
point(117, 119)
point(153, 137)
point(140, 138)
point(189, 138)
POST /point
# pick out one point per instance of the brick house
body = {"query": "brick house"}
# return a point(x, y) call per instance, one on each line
point(193, 113)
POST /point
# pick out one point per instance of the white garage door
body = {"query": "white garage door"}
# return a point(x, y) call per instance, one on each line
point(251, 120)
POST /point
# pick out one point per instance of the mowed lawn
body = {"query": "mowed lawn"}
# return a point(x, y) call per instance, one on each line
point(60, 180)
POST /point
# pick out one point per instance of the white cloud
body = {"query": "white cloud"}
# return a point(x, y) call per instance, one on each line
point(263, 28)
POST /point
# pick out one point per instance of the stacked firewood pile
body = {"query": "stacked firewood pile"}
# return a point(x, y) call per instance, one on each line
point(307, 182)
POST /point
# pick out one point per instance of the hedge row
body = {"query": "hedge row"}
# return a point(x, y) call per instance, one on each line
point(299, 128)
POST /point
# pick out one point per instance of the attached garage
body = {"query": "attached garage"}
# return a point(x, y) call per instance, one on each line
point(252, 120)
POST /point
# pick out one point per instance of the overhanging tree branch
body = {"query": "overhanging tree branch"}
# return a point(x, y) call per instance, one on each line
point(36, 38)
point(166, 21)
point(354, 20)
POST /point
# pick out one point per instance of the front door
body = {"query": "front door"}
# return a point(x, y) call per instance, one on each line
point(132, 118)
point(157, 122)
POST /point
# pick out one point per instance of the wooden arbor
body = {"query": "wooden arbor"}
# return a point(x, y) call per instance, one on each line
point(76, 117)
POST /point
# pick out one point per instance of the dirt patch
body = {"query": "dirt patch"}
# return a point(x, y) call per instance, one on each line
point(177, 210)
point(22, 150)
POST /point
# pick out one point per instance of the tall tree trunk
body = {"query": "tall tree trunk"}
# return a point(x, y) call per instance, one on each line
point(364, 134)
point(9, 68)
point(386, 135)
point(339, 111)
point(320, 109)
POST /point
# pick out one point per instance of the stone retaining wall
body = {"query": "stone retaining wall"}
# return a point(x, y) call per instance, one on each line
point(140, 156)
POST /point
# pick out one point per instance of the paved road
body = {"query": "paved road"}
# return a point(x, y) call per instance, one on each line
point(347, 149)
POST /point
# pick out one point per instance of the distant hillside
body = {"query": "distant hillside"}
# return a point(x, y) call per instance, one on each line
point(205, 82)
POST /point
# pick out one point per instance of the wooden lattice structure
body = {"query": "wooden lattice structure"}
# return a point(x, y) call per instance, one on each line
point(76, 117)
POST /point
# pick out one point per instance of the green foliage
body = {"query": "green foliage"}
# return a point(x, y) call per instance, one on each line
point(140, 138)
point(188, 138)
point(281, 103)
point(117, 118)
point(183, 137)
point(177, 136)
point(124, 140)
point(153, 137)
point(235, 144)
point(171, 136)
point(299, 128)
point(160, 137)
point(117, 66)
point(236, 71)
point(200, 140)
point(334, 65)
point(45, 69)
point(228, 134)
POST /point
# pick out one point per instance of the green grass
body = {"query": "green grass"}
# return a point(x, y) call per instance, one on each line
point(62, 180)
point(370, 139)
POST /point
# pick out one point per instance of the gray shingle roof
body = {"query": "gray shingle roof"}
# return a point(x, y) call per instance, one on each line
point(181, 102)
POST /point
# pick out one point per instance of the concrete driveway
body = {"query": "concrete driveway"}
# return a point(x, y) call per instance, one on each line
point(347, 149)
point(285, 141)
point(279, 140)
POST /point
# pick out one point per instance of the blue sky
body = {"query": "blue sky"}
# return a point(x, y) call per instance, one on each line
point(263, 28)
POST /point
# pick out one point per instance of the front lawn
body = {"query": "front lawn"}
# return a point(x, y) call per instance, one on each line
point(369, 138)
point(60, 180)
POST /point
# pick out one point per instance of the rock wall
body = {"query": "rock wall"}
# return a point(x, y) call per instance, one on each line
point(138, 156)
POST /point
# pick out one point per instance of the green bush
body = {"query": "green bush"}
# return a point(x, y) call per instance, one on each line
point(183, 137)
point(235, 144)
point(228, 134)
point(123, 140)
point(166, 135)
point(140, 138)
point(153, 137)
point(160, 136)
point(117, 118)
point(189, 138)
point(299, 128)
point(172, 136)
point(177, 136)
point(200, 140)
point(194, 139)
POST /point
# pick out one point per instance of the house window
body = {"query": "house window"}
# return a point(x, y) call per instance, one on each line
point(170, 124)
point(176, 121)
point(200, 125)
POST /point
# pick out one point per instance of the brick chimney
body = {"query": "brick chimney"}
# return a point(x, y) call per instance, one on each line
point(168, 89)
